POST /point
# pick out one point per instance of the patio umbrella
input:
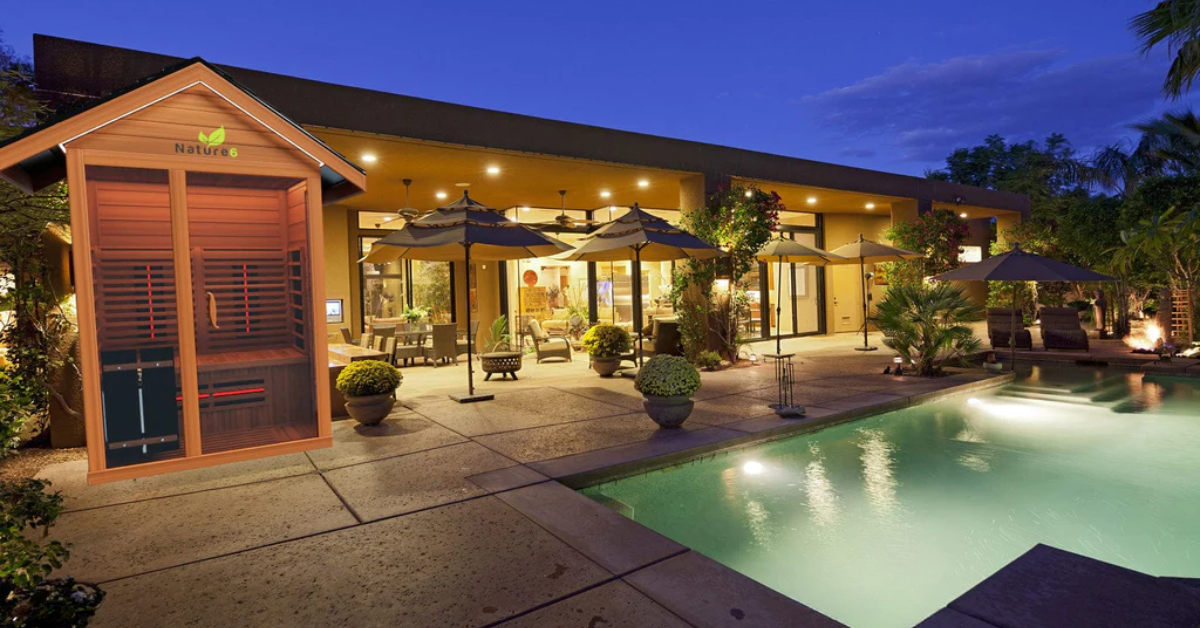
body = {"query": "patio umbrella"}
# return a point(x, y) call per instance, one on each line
point(791, 252)
point(639, 235)
point(865, 252)
point(455, 232)
point(1018, 265)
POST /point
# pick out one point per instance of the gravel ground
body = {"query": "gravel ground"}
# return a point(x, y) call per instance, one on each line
point(25, 463)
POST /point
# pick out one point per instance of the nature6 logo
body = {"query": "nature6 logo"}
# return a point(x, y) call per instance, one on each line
point(210, 144)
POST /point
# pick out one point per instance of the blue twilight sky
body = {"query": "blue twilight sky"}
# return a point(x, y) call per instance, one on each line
point(878, 84)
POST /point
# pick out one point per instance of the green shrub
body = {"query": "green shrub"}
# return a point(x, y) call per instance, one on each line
point(667, 376)
point(28, 598)
point(606, 341)
point(368, 377)
point(926, 325)
point(708, 360)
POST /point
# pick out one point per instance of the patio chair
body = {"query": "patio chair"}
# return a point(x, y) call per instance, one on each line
point(443, 344)
point(667, 340)
point(548, 346)
point(367, 341)
point(999, 320)
point(462, 342)
point(412, 345)
point(389, 347)
point(346, 335)
point(1061, 329)
point(382, 333)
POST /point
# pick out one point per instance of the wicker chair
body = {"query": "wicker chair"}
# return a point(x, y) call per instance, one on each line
point(1061, 329)
point(346, 338)
point(413, 347)
point(463, 341)
point(546, 345)
point(444, 345)
point(999, 320)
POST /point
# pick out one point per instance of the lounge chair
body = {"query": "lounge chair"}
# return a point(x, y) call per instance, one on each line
point(999, 321)
point(1061, 329)
point(546, 345)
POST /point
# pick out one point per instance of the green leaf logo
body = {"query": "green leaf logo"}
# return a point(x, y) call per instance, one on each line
point(216, 138)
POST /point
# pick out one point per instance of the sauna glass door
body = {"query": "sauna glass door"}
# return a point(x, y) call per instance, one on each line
point(248, 238)
point(136, 315)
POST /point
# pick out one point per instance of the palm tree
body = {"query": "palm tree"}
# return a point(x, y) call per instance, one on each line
point(1176, 23)
point(928, 325)
point(1174, 139)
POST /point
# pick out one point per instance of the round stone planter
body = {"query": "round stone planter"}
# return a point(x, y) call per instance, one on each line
point(668, 412)
point(372, 409)
point(606, 366)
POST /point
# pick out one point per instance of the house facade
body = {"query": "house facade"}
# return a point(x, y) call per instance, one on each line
point(563, 176)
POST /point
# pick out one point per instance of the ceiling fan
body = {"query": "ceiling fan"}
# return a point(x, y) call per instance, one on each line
point(562, 220)
point(408, 213)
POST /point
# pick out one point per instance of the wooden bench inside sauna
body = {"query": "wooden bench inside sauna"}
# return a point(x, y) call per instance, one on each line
point(198, 270)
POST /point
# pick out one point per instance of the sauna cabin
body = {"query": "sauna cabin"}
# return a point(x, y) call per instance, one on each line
point(197, 254)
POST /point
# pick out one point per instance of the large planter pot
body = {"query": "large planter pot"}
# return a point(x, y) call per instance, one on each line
point(668, 412)
point(606, 366)
point(372, 409)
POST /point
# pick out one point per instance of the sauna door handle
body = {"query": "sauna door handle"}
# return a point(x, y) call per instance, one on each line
point(212, 310)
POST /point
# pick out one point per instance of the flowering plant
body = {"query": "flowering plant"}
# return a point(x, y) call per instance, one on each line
point(606, 341)
point(667, 376)
point(368, 377)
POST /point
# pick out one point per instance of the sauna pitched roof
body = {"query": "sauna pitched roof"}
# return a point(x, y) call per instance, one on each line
point(35, 158)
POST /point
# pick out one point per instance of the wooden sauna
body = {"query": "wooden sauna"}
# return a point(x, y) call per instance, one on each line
point(196, 215)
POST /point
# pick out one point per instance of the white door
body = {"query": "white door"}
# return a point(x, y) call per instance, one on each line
point(847, 297)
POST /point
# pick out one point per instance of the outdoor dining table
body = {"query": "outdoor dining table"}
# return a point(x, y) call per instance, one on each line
point(354, 353)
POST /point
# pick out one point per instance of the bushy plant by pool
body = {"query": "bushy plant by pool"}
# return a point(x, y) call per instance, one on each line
point(927, 325)
point(667, 376)
point(368, 377)
point(708, 360)
point(606, 341)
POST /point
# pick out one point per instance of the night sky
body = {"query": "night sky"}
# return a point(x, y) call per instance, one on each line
point(878, 84)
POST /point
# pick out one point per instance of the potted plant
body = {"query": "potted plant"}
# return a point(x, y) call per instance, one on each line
point(369, 387)
point(606, 343)
point(414, 314)
point(668, 383)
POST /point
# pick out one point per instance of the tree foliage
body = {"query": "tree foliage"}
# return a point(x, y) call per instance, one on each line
point(938, 234)
point(740, 220)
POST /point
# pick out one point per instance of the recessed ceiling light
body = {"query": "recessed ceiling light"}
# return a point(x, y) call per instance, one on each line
point(963, 215)
point(493, 170)
point(462, 185)
point(870, 205)
point(369, 158)
point(812, 200)
point(440, 195)
point(605, 194)
point(643, 183)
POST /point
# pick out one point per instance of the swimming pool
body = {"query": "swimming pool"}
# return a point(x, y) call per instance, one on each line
point(881, 521)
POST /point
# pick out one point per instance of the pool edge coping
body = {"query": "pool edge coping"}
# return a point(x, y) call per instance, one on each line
point(609, 473)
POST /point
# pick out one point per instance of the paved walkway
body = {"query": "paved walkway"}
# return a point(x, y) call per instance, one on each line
point(456, 515)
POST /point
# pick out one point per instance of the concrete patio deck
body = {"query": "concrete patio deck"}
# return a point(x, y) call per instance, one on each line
point(458, 515)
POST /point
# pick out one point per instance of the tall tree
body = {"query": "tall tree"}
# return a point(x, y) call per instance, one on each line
point(1175, 24)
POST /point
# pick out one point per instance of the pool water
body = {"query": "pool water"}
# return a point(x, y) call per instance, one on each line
point(880, 522)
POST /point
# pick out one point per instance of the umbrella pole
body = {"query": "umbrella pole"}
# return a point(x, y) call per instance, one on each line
point(1012, 331)
point(862, 273)
point(470, 396)
point(779, 310)
point(637, 301)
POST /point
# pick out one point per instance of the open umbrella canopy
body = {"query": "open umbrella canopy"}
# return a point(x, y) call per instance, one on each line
point(441, 235)
point(651, 237)
point(866, 251)
point(787, 251)
point(1018, 265)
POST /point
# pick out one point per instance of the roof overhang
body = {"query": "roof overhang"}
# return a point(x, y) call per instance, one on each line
point(36, 158)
